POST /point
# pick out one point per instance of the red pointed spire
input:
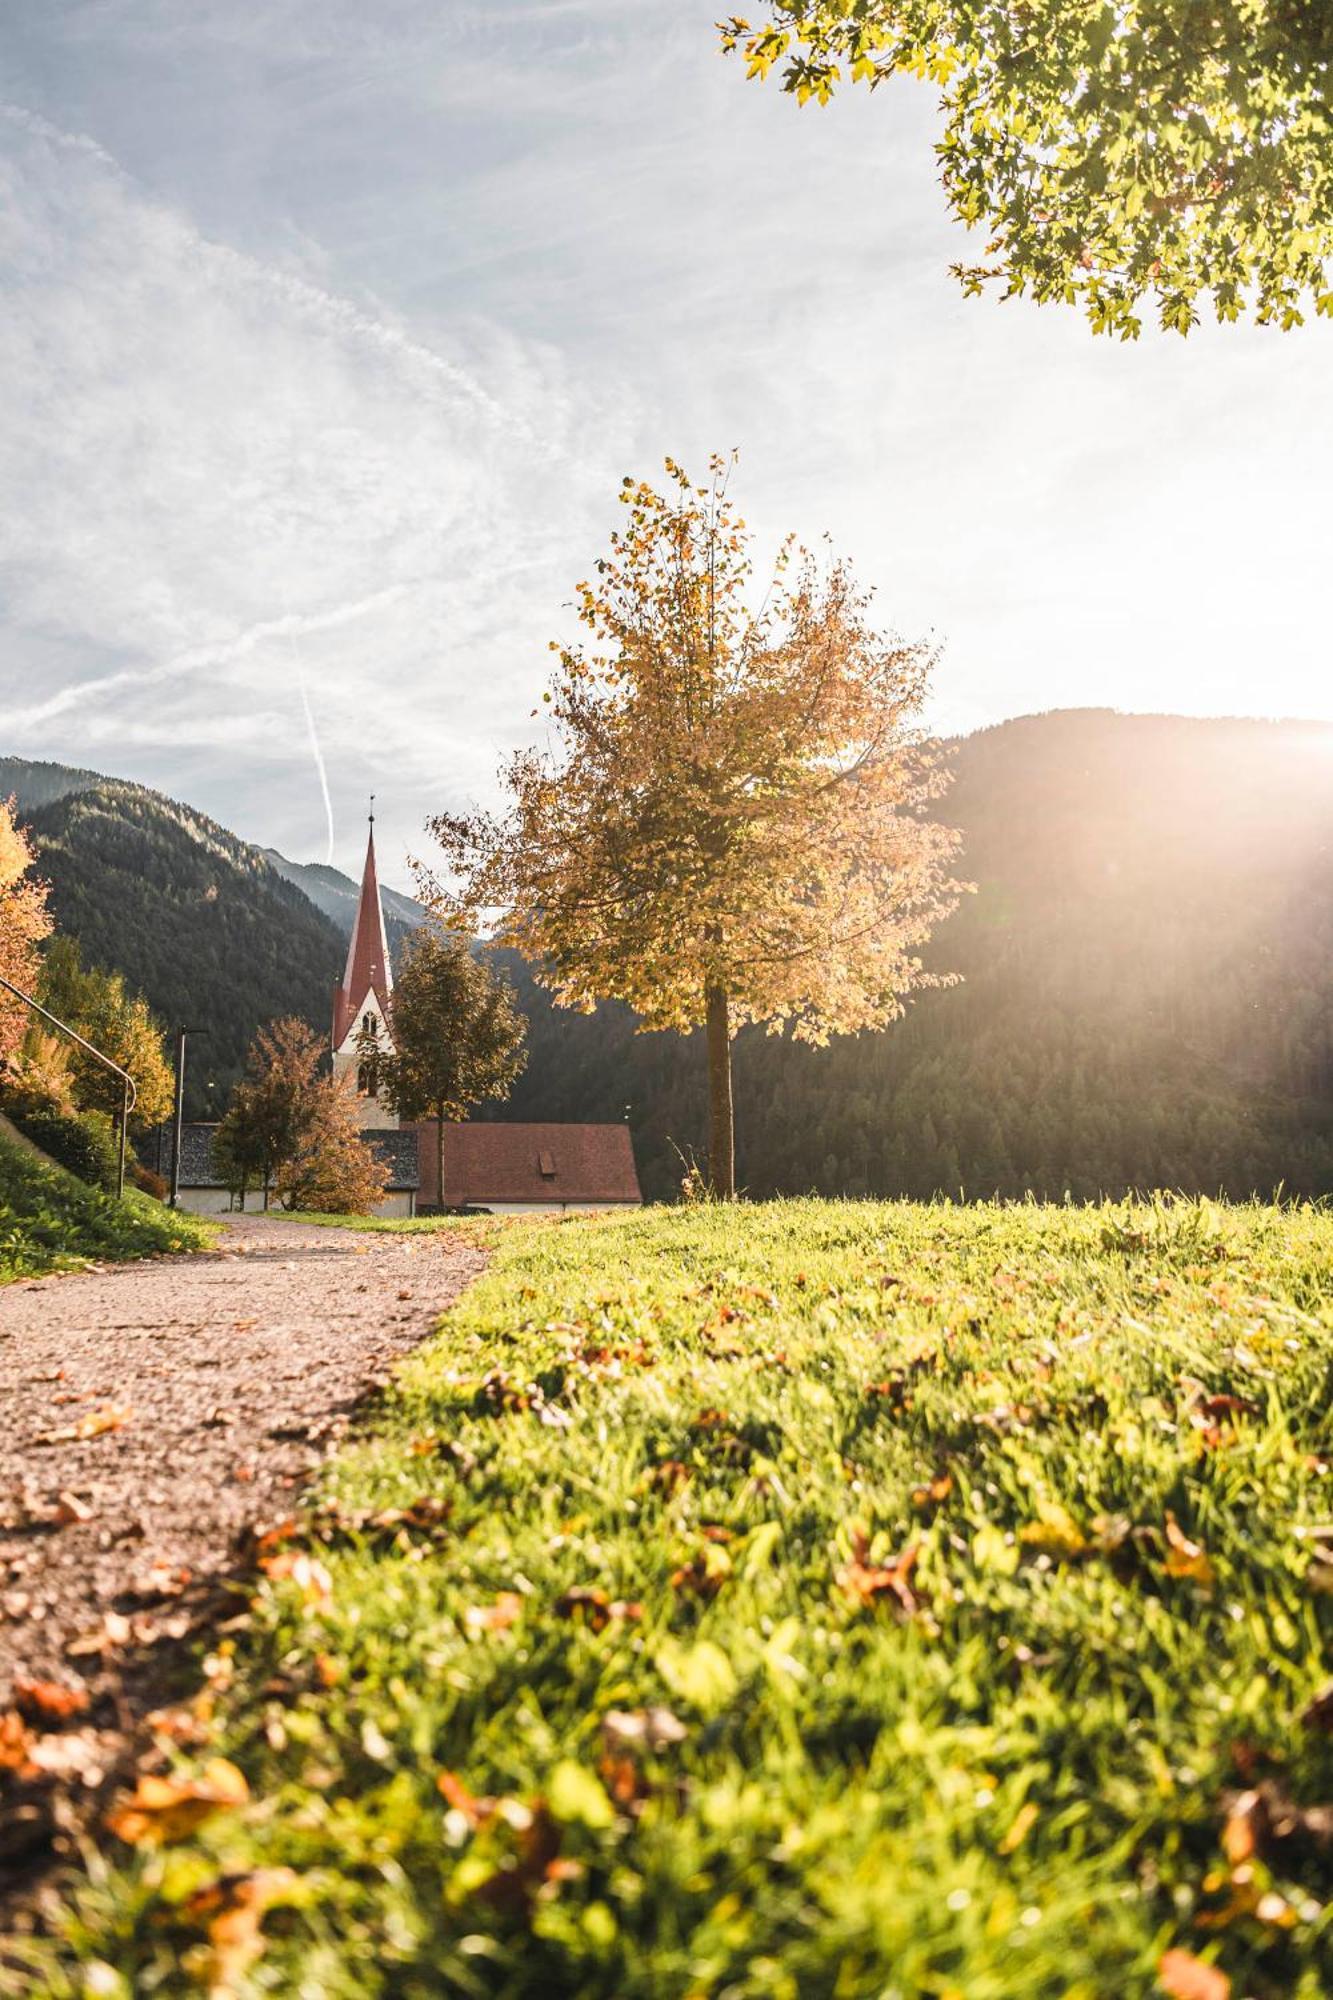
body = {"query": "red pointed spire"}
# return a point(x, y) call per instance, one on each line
point(368, 966)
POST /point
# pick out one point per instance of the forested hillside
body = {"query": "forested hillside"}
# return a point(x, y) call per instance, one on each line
point(197, 920)
point(1147, 996)
point(1147, 964)
point(337, 895)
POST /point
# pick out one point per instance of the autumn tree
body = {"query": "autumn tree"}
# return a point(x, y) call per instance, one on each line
point(118, 1023)
point(24, 922)
point(728, 824)
point(1114, 150)
point(273, 1103)
point(330, 1169)
point(239, 1156)
point(457, 1033)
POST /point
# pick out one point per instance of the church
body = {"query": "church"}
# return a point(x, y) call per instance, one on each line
point(500, 1168)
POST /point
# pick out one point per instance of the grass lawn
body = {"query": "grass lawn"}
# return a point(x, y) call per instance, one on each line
point(49, 1221)
point(806, 1600)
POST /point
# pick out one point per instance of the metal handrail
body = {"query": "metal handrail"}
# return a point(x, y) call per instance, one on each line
point(130, 1094)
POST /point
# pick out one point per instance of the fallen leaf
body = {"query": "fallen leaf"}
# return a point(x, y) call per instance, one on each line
point(305, 1571)
point(1185, 1977)
point(1185, 1558)
point(1055, 1533)
point(705, 1573)
point(668, 1477)
point(595, 1607)
point(70, 1509)
point(49, 1703)
point(232, 1910)
point(187, 1725)
point(1246, 1827)
point(497, 1617)
point(870, 1583)
point(93, 1424)
point(933, 1492)
point(161, 1810)
point(16, 1741)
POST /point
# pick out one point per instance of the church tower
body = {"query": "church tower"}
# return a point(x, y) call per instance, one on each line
point(361, 1003)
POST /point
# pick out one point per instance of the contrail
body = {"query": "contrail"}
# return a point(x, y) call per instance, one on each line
point(210, 655)
point(316, 752)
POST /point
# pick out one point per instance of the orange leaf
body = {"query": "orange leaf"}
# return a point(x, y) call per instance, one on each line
point(49, 1703)
point(15, 1742)
point(109, 1418)
point(1185, 1977)
point(232, 1909)
point(868, 1583)
point(930, 1495)
point(167, 1809)
point(1185, 1558)
point(310, 1576)
point(497, 1617)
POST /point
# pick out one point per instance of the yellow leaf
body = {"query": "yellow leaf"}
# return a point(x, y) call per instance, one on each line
point(1024, 1821)
point(166, 1809)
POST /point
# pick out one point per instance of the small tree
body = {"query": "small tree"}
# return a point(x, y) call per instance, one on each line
point(24, 922)
point(331, 1170)
point(118, 1023)
point(730, 827)
point(457, 1033)
point(238, 1152)
point(274, 1102)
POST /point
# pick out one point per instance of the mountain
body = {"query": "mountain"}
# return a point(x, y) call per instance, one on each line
point(337, 895)
point(197, 920)
point(38, 784)
point(1146, 995)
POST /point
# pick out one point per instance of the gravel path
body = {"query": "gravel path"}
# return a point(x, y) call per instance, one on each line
point(149, 1412)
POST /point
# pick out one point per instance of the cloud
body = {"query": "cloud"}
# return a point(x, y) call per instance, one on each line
point(210, 460)
point(339, 331)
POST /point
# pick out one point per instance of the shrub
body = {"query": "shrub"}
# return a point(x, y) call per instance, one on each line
point(84, 1146)
point(151, 1183)
point(38, 1077)
point(51, 1222)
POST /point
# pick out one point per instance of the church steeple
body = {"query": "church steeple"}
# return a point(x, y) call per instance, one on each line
point(369, 973)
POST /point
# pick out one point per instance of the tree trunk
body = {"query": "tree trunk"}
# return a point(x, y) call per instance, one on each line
point(721, 1122)
point(439, 1155)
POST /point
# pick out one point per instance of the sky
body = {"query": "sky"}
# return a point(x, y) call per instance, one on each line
point(329, 331)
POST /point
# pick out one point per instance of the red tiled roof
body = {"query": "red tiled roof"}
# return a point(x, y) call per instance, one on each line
point(530, 1163)
point(368, 966)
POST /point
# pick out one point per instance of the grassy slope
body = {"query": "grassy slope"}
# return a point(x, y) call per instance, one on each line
point(1014, 1791)
point(51, 1222)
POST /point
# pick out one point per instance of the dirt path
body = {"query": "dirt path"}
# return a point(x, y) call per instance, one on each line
point(206, 1389)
